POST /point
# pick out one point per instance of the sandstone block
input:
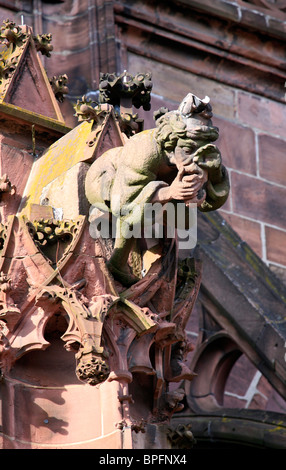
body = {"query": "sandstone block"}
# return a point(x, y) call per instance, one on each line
point(237, 146)
point(275, 245)
point(272, 161)
point(259, 200)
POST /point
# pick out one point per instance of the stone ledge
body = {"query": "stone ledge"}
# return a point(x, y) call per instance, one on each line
point(33, 118)
point(240, 427)
point(252, 16)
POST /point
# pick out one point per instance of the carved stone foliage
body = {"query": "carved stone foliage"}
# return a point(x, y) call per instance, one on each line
point(47, 232)
point(7, 68)
point(12, 42)
point(11, 34)
point(181, 436)
point(16, 36)
point(59, 86)
point(43, 44)
point(88, 110)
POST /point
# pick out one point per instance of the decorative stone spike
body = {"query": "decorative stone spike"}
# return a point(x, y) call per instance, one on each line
point(43, 44)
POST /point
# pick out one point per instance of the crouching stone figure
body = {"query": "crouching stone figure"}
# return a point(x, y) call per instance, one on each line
point(175, 162)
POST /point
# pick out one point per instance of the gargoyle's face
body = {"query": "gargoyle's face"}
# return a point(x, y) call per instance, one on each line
point(181, 156)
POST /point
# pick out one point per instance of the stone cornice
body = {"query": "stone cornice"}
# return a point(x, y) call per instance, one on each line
point(261, 15)
point(220, 45)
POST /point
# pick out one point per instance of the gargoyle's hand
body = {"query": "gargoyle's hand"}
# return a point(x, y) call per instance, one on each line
point(185, 186)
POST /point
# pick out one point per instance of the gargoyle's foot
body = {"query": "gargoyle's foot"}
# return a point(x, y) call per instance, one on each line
point(123, 275)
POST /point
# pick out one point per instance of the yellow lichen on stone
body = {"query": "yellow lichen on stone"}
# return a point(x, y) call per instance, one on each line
point(60, 157)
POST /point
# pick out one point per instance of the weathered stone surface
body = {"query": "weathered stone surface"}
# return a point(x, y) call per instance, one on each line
point(248, 230)
point(275, 245)
point(13, 159)
point(250, 427)
point(65, 193)
point(42, 408)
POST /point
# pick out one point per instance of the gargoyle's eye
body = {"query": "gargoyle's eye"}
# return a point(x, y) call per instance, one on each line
point(187, 150)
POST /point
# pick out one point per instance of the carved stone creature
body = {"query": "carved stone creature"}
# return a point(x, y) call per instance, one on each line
point(175, 162)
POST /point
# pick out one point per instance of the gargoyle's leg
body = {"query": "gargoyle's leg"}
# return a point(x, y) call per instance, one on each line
point(118, 263)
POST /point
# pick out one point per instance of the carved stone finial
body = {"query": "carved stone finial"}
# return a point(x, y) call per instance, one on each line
point(117, 89)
